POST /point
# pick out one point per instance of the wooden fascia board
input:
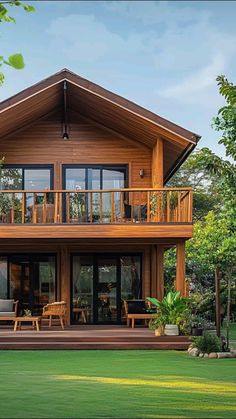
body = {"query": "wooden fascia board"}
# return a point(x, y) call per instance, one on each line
point(132, 112)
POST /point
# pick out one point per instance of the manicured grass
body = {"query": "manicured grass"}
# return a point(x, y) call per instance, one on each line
point(116, 384)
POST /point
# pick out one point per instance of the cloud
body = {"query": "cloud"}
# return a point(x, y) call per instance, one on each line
point(88, 39)
point(179, 46)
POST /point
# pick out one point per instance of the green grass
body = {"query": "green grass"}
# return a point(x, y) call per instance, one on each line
point(116, 384)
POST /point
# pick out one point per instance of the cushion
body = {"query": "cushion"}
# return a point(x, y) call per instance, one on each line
point(136, 307)
point(6, 305)
point(7, 314)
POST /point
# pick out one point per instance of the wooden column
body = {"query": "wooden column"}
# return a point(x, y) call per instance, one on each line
point(65, 279)
point(160, 272)
point(153, 268)
point(157, 176)
point(157, 164)
point(157, 272)
point(180, 268)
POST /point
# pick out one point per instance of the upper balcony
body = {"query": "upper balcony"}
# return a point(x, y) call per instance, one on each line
point(115, 213)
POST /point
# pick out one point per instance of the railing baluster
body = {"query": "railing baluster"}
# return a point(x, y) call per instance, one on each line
point(55, 207)
point(179, 206)
point(22, 208)
point(168, 206)
point(190, 206)
point(100, 207)
point(44, 208)
point(60, 207)
point(34, 219)
point(148, 206)
point(112, 207)
point(68, 204)
point(12, 208)
point(121, 206)
point(91, 207)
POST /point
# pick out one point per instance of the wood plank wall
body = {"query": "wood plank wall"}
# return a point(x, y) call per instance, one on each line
point(88, 144)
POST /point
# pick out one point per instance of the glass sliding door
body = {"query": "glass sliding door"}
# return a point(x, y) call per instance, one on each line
point(3, 277)
point(82, 288)
point(32, 280)
point(106, 299)
point(88, 207)
point(25, 177)
point(101, 283)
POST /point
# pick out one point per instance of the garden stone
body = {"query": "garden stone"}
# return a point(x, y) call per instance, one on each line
point(213, 355)
point(201, 355)
point(224, 355)
point(190, 348)
point(206, 356)
point(194, 352)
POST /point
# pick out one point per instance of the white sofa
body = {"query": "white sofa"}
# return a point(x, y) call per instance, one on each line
point(8, 309)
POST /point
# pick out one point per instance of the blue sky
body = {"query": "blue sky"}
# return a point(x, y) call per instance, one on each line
point(162, 55)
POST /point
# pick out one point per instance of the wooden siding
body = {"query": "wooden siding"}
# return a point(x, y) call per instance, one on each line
point(42, 143)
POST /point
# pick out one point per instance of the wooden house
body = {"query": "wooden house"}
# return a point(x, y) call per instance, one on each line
point(84, 214)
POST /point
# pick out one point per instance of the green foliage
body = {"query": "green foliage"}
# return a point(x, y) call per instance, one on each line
point(207, 343)
point(226, 118)
point(173, 309)
point(15, 61)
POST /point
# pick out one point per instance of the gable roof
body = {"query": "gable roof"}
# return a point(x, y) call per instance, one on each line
point(102, 106)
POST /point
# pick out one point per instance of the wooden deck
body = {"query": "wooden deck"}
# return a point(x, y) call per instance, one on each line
point(89, 337)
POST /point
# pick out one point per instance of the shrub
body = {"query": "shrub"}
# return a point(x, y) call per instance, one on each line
point(207, 343)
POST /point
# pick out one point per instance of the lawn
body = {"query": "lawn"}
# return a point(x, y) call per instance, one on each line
point(116, 384)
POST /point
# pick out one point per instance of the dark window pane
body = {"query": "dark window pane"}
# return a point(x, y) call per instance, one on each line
point(3, 277)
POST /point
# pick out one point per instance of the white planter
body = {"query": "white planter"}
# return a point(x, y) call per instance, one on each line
point(171, 330)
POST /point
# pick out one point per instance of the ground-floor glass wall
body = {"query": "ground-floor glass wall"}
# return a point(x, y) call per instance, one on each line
point(100, 284)
point(29, 278)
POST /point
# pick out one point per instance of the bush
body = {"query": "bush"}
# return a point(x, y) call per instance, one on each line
point(207, 343)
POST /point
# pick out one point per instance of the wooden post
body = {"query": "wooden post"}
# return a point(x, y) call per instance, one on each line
point(64, 279)
point(180, 268)
point(157, 164)
point(153, 271)
point(160, 272)
point(217, 298)
point(157, 272)
point(157, 175)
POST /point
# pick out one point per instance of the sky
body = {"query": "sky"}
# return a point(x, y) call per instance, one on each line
point(162, 55)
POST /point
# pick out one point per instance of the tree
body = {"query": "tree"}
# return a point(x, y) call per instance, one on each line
point(204, 184)
point(213, 246)
point(15, 60)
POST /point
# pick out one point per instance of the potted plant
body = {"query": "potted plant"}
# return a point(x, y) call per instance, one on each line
point(172, 313)
point(196, 325)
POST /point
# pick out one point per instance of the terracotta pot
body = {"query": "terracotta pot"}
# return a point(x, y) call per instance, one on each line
point(159, 331)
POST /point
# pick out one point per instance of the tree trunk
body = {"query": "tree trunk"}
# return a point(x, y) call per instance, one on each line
point(217, 300)
point(228, 276)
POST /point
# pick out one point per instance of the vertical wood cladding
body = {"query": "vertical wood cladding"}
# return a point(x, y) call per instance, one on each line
point(88, 144)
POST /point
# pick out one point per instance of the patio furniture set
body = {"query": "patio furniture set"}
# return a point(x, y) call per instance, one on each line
point(8, 312)
point(134, 310)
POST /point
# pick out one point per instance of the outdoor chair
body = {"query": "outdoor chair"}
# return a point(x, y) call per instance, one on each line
point(8, 309)
point(57, 309)
point(137, 310)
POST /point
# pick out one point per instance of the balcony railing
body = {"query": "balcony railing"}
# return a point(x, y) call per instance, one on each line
point(107, 206)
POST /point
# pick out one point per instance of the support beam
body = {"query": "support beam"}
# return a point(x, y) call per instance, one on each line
point(180, 268)
point(157, 272)
point(160, 272)
point(157, 164)
point(65, 279)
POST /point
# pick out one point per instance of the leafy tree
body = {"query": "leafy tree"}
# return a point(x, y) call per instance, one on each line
point(213, 246)
point(15, 60)
point(204, 184)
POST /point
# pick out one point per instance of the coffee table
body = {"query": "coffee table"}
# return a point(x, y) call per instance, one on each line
point(35, 320)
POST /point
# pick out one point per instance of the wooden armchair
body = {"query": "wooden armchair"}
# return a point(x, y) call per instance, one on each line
point(57, 309)
point(137, 310)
